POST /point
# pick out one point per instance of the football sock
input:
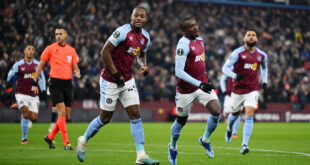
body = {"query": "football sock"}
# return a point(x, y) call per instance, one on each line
point(236, 125)
point(54, 115)
point(63, 129)
point(247, 129)
point(211, 126)
point(137, 133)
point(54, 132)
point(176, 129)
point(231, 121)
point(93, 128)
point(24, 127)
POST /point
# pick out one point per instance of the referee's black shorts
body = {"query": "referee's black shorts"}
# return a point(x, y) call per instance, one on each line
point(61, 91)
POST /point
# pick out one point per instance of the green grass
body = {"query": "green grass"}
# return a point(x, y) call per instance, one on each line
point(271, 144)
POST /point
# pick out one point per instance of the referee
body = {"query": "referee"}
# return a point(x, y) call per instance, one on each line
point(62, 59)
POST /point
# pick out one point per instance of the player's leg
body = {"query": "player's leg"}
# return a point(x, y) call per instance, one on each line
point(176, 129)
point(57, 98)
point(210, 101)
point(236, 127)
point(53, 119)
point(22, 103)
point(24, 123)
point(236, 105)
point(129, 98)
point(92, 129)
point(108, 98)
point(250, 105)
point(137, 133)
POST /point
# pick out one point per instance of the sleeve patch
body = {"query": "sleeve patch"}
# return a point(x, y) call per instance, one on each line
point(116, 34)
point(180, 52)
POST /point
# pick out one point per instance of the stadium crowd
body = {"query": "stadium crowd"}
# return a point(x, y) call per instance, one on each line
point(283, 34)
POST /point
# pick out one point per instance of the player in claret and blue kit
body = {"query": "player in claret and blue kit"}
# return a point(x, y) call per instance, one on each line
point(244, 65)
point(27, 101)
point(193, 85)
point(127, 42)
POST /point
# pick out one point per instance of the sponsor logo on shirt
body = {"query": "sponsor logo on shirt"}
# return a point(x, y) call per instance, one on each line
point(200, 57)
point(250, 66)
point(69, 58)
point(134, 51)
point(29, 75)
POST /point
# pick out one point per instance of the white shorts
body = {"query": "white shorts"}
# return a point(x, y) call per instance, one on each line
point(227, 104)
point(29, 101)
point(109, 94)
point(238, 101)
point(184, 102)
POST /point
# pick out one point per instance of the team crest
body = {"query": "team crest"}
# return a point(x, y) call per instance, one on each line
point(259, 58)
point(109, 100)
point(142, 41)
point(243, 56)
point(180, 109)
point(69, 58)
point(180, 52)
point(23, 68)
point(116, 34)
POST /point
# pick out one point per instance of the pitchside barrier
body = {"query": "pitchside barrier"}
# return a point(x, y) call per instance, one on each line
point(85, 111)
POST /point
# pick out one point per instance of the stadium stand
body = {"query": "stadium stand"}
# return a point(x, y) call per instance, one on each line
point(284, 35)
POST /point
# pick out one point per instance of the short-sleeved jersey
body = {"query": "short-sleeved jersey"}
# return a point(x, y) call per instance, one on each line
point(61, 59)
point(25, 73)
point(248, 63)
point(193, 52)
point(128, 45)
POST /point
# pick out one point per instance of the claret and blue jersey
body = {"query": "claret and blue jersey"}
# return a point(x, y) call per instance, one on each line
point(25, 74)
point(128, 45)
point(242, 61)
point(190, 67)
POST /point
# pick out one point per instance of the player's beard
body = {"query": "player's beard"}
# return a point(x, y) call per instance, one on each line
point(251, 44)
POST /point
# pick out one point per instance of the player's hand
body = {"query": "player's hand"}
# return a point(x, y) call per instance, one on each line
point(144, 71)
point(77, 74)
point(239, 77)
point(206, 87)
point(34, 87)
point(264, 86)
point(119, 80)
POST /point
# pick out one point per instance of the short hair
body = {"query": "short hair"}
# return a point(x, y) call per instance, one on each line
point(61, 27)
point(182, 21)
point(141, 7)
point(251, 29)
point(29, 44)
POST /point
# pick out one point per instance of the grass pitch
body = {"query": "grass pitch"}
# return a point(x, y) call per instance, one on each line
point(271, 144)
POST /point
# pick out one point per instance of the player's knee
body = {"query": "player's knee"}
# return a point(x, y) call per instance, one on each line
point(105, 120)
point(33, 119)
point(182, 120)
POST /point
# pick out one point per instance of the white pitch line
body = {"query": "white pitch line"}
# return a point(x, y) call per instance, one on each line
point(296, 154)
point(225, 148)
